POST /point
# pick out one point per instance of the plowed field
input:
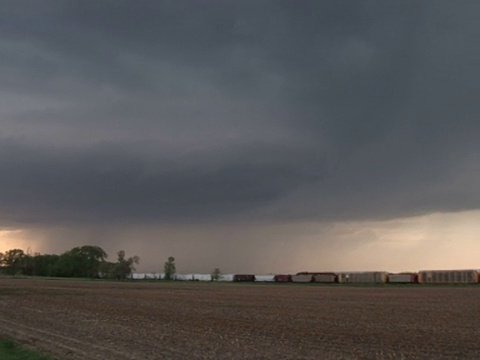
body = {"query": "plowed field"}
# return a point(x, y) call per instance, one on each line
point(127, 320)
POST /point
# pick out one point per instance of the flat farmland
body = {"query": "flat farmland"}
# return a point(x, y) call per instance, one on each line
point(72, 319)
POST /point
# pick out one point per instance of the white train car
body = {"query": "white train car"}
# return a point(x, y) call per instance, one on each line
point(264, 278)
point(226, 277)
point(146, 276)
point(136, 276)
point(184, 277)
point(202, 277)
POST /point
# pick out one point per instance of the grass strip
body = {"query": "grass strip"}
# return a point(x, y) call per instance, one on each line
point(11, 351)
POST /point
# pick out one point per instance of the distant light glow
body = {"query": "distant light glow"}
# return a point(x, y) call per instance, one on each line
point(14, 239)
point(434, 241)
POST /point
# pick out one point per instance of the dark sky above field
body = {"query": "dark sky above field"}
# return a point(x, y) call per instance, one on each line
point(218, 130)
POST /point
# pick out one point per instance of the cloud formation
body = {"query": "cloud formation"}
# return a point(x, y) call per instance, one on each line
point(220, 112)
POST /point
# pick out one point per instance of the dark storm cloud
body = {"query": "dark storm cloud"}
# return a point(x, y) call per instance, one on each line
point(106, 183)
point(214, 111)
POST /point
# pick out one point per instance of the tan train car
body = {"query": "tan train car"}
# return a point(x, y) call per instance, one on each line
point(302, 278)
point(403, 278)
point(449, 277)
point(363, 277)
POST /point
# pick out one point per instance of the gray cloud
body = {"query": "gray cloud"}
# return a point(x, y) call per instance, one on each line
point(175, 112)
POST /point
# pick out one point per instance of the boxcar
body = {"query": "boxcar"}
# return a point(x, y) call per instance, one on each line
point(202, 277)
point(265, 278)
point(325, 277)
point(449, 276)
point(184, 277)
point(402, 278)
point(282, 278)
point(226, 277)
point(365, 277)
point(243, 277)
point(302, 278)
point(146, 276)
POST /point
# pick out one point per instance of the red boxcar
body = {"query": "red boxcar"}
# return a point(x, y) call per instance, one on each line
point(283, 278)
point(321, 277)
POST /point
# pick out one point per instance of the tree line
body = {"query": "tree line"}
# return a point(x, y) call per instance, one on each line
point(86, 261)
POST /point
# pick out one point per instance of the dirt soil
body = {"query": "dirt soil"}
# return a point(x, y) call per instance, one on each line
point(156, 320)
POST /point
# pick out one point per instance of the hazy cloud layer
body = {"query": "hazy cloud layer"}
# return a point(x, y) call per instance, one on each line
point(435, 241)
point(225, 111)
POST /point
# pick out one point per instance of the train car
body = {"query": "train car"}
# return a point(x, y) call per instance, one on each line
point(449, 277)
point(243, 277)
point(302, 278)
point(363, 277)
point(183, 277)
point(153, 276)
point(137, 276)
point(325, 278)
point(264, 278)
point(202, 277)
point(281, 278)
point(146, 276)
point(226, 277)
point(403, 278)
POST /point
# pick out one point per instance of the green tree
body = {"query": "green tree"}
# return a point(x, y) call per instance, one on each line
point(169, 268)
point(107, 269)
point(46, 265)
point(82, 261)
point(124, 267)
point(14, 261)
point(216, 274)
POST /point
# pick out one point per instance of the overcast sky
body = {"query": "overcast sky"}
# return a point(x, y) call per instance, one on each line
point(250, 135)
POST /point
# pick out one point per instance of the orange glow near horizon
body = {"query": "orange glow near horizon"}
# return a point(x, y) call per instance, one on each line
point(15, 239)
point(434, 241)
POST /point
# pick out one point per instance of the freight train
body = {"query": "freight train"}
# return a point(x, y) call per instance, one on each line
point(356, 277)
point(381, 277)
